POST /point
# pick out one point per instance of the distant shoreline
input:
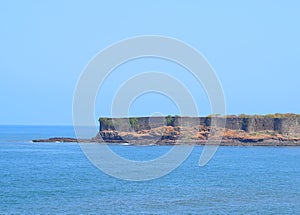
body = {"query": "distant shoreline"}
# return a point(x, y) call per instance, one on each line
point(222, 143)
point(242, 130)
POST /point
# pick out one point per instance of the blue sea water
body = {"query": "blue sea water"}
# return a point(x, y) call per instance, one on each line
point(56, 178)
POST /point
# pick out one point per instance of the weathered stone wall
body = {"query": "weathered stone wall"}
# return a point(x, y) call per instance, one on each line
point(289, 126)
point(286, 126)
point(250, 124)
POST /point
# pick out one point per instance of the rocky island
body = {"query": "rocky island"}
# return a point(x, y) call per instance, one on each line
point(256, 130)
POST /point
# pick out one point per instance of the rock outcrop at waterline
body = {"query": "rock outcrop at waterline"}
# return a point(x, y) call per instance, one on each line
point(277, 129)
point(62, 140)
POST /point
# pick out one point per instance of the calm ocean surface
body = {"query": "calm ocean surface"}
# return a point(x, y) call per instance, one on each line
point(52, 178)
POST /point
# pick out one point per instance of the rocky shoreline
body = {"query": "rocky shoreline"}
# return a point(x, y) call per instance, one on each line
point(257, 130)
point(168, 135)
point(269, 142)
point(62, 140)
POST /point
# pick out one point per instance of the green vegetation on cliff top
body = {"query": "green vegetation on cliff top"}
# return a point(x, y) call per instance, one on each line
point(170, 119)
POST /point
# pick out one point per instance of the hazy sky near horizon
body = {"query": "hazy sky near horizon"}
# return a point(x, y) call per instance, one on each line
point(253, 46)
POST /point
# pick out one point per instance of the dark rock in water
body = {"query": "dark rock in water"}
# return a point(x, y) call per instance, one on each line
point(63, 139)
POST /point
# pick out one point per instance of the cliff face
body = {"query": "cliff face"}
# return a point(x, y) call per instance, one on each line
point(246, 130)
point(285, 126)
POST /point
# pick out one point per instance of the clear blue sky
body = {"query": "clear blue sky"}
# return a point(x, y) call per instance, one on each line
point(253, 46)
